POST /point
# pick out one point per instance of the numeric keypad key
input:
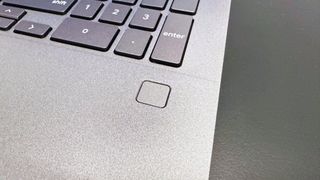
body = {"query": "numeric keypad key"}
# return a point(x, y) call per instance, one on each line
point(133, 43)
point(115, 14)
point(87, 9)
point(129, 2)
point(185, 6)
point(146, 19)
point(172, 41)
point(85, 33)
point(154, 4)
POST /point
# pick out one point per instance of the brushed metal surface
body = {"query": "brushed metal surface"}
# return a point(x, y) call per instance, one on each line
point(70, 113)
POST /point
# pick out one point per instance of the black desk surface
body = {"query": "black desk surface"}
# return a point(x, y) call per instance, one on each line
point(268, 124)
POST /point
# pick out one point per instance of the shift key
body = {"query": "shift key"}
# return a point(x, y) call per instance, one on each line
point(172, 42)
point(51, 6)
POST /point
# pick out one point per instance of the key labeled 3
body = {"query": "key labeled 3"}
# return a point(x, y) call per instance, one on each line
point(145, 19)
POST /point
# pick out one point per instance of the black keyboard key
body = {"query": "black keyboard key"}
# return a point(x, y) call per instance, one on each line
point(6, 24)
point(129, 2)
point(145, 19)
point(51, 6)
point(133, 43)
point(85, 33)
point(115, 14)
point(155, 4)
point(87, 9)
point(172, 42)
point(185, 6)
point(32, 29)
point(12, 12)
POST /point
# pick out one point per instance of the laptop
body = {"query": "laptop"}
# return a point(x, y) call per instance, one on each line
point(109, 89)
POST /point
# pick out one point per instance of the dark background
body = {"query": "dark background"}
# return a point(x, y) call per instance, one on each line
point(268, 124)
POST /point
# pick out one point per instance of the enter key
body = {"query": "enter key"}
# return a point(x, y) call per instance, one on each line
point(172, 42)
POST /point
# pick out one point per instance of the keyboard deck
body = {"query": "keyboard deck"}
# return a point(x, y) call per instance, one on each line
point(95, 24)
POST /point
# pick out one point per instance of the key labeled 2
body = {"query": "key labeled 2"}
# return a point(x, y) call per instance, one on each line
point(115, 14)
